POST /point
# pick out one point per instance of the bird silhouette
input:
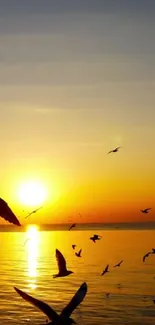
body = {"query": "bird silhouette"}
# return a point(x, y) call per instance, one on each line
point(105, 270)
point(79, 253)
point(61, 265)
point(34, 211)
point(95, 237)
point(73, 246)
point(7, 214)
point(118, 264)
point(145, 210)
point(72, 226)
point(153, 250)
point(64, 317)
point(114, 150)
point(146, 255)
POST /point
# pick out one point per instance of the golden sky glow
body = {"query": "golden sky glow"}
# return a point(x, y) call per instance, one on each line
point(76, 82)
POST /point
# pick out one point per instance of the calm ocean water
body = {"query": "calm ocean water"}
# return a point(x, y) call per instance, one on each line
point(30, 267)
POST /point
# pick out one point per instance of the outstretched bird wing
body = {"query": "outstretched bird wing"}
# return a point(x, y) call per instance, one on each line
point(60, 261)
point(76, 300)
point(45, 308)
point(7, 214)
point(106, 269)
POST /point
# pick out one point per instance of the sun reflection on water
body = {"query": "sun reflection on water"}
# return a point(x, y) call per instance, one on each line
point(32, 254)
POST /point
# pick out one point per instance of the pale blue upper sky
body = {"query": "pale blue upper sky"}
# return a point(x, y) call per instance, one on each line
point(77, 72)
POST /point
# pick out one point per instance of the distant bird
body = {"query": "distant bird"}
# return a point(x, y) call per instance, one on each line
point(72, 226)
point(153, 250)
point(105, 270)
point(61, 265)
point(114, 150)
point(73, 246)
point(7, 214)
point(64, 317)
point(118, 264)
point(95, 237)
point(79, 253)
point(26, 241)
point(34, 211)
point(145, 210)
point(146, 255)
point(107, 294)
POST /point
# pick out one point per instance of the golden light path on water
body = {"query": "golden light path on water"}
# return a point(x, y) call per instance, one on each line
point(32, 245)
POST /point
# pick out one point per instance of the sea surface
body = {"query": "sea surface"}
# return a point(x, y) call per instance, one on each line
point(28, 262)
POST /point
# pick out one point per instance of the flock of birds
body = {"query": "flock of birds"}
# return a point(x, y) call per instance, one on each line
point(64, 317)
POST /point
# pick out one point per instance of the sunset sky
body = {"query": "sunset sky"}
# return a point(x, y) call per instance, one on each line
point(77, 79)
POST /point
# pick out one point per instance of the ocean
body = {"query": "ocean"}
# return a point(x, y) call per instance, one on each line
point(28, 262)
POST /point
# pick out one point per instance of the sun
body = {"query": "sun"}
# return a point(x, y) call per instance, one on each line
point(32, 193)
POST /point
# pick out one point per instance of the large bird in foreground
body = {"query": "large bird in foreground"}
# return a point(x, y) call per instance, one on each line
point(61, 265)
point(7, 214)
point(64, 317)
point(146, 255)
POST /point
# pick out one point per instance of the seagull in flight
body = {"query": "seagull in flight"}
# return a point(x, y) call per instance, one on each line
point(79, 253)
point(61, 265)
point(105, 270)
point(7, 214)
point(72, 226)
point(73, 246)
point(27, 239)
point(118, 264)
point(114, 150)
point(34, 211)
point(145, 210)
point(146, 255)
point(64, 318)
point(95, 237)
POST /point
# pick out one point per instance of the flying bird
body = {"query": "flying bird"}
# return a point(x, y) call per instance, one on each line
point(72, 226)
point(64, 318)
point(79, 253)
point(34, 211)
point(145, 210)
point(146, 255)
point(61, 265)
point(7, 214)
point(95, 237)
point(154, 301)
point(114, 150)
point(105, 270)
point(107, 294)
point(27, 239)
point(73, 246)
point(118, 264)
point(153, 250)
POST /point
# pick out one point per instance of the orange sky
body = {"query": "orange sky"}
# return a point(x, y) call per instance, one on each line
point(76, 82)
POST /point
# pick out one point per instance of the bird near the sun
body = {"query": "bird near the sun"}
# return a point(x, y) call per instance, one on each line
point(64, 318)
point(34, 211)
point(7, 214)
point(78, 254)
point(61, 262)
point(145, 210)
point(117, 265)
point(73, 246)
point(146, 255)
point(72, 226)
point(114, 150)
point(105, 270)
point(95, 237)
